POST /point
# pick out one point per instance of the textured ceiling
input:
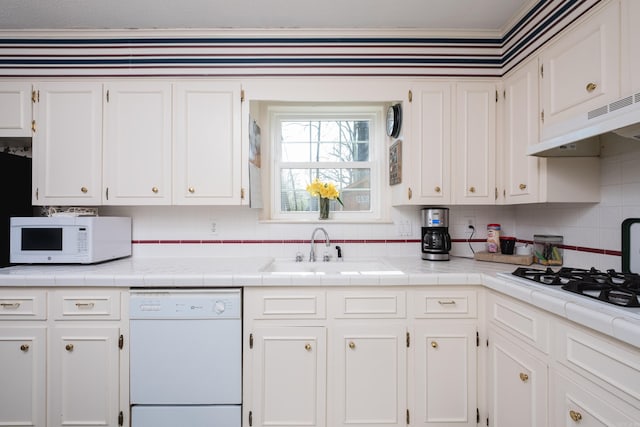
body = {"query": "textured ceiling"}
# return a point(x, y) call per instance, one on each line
point(466, 15)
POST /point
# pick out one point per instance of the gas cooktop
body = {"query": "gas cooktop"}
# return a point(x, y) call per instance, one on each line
point(612, 287)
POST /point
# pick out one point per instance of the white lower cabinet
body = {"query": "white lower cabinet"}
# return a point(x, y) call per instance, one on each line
point(289, 376)
point(370, 374)
point(23, 373)
point(544, 370)
point(517, 383)
point(62, 357)
point(518, 363)
point(445, 376)
point(84, 375)
point(360, 347)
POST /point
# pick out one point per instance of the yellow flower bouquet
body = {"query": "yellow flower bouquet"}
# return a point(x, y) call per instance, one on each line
point(325, 191)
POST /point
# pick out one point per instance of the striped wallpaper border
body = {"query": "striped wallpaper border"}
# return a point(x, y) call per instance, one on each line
point(131, 53)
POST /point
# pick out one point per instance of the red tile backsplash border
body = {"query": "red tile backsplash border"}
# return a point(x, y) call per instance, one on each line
point(343, 241)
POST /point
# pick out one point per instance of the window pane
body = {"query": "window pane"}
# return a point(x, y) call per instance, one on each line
point(352, 183)
point(325, 141)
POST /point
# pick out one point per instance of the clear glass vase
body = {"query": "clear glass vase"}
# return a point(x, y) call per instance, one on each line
point(323, 205)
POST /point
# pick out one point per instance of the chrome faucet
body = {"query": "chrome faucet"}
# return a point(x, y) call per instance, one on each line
point(312, 253)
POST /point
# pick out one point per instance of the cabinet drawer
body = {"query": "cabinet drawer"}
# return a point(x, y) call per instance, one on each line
point(85, 304)
point(27, 304)
point(525, 322)
point(286, 304)
point(445, 303)
point(600, 359)
point(365, 304)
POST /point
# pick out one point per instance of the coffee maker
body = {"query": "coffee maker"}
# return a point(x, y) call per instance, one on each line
point(436, 242)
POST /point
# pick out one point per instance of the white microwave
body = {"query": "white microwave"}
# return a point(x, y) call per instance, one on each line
point(69, 239)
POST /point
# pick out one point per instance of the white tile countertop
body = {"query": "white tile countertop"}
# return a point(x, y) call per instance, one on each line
point(250, 271)
point(253, 271)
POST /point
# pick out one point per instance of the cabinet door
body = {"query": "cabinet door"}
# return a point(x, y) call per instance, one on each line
point(631, 15)
point(22, 394)
point(517, 385)
point(474, 149)
point(370, 375)
point(67, 144)
point(206, 166)
point(137, 152)
point(445, 374)
point(84, 376)
point(521, 171)
point(289, 376)
point(429, 148)
point(581, 72)
point(586, 405)
point(15, 109)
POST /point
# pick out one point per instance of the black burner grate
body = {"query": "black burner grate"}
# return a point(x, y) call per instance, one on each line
point(611, 286)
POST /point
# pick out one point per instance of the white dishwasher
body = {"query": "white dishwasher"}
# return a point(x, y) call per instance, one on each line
point(186, 358)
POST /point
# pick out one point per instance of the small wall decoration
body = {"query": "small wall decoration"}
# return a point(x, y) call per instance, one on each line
point(395, 163)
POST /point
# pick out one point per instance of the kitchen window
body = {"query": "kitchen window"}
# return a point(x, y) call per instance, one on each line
point(337, 144)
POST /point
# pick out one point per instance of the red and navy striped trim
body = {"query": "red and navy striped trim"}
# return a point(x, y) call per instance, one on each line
point(284, 55)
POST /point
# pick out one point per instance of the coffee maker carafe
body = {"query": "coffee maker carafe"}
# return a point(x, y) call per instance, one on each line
point(436, 242)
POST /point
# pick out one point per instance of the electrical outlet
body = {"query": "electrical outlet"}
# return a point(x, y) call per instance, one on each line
point(213, 227)
point(470, 223)
point(404, 228)
point(407, 228)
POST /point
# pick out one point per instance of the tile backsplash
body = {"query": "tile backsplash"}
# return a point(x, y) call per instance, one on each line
point(235, 231)
point(597, 225)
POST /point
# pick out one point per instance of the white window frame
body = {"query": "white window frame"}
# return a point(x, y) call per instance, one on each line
point(377, 144)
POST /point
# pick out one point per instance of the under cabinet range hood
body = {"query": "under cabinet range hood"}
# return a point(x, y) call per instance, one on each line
point(621, 117)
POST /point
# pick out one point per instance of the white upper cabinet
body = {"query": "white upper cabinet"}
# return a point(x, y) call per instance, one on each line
point(521, 172)
point(429, 147)
point(631, 47)
point(206, 143)
point(15, 109)
point(530, 179)
point(581, 72)
point(474, 148)
point(67, 144)
point(137, 145)
point(450, 155)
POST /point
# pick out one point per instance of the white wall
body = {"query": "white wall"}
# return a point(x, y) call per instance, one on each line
point(243, 224)
point(594, 226)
